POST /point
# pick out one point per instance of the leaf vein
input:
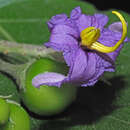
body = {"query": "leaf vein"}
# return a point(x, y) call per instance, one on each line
point(23, 20)
point(123, 121)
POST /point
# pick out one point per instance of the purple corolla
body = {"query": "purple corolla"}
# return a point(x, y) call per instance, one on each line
point(89, 48)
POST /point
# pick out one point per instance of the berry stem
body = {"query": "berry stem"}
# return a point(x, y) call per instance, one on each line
point(18, 72)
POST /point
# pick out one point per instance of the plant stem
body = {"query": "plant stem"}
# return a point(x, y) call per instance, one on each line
point(36, 51)
point(11, 69)
point(18, 72)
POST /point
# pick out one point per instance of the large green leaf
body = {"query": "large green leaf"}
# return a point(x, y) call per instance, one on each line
point(102, 107)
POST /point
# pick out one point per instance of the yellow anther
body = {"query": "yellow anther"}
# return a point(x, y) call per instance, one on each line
point(89, 36)
point(86, 30)
point(105, 49)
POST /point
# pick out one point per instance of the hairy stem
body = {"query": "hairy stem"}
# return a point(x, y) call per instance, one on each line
point(13, 70)
point(36, 51)
point(18, 72)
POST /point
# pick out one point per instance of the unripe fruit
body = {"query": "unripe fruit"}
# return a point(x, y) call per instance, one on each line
point(4, 111)
point(18, 119)
point(47, 100)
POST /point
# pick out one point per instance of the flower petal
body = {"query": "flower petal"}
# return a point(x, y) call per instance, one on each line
point(83, 68)
point(48, 78)
point(110, 38)
point(75, 13)
point(99, 21)
point(102, 65)
point(69, 55)
point(58, 19)
point(88, 67)
point(83, 22)
point(116, 27)
point(61, 42)
point(65, 29)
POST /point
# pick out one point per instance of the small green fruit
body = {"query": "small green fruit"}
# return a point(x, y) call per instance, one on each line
point(18, 119)
point(47, 100)
point(4, 111)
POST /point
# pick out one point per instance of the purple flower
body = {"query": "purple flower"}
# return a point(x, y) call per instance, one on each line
point(83, 40)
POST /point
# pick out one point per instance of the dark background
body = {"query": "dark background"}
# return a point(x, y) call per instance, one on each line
point(110, 4)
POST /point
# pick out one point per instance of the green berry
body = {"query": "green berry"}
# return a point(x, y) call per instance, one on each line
point(47, 100)
point(4, 111)
point(18, 119)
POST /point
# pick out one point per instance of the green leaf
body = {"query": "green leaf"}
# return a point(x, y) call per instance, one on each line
point(102, 107)
point(7, 2)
